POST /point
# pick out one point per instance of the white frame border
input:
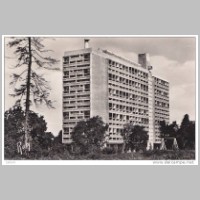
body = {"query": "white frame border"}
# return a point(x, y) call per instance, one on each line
point(101, 162)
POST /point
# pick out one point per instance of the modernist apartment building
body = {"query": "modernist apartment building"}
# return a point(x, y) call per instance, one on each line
point(98, 82)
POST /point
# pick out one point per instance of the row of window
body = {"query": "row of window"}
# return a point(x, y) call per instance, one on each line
point(130, 70)
point(113, 106)
point(128, 75)
point(161, 87)
point(115, 116)
point(160, 82)
point(161, 104)
point(76, 91)
point(84, 72)
point(127, 102)
point(75, 67)
point(161, 116)
point(76, 81)
point(161, 99)
point(79, 96)
point(77, 88)
point(76, 58)
point(76, 113)
point(130, 90)
point(162, 93)
point(127, 95)
point(128, 82)
point(114, 138)
point(76, 107)
point(162, 110)
point(77, 101)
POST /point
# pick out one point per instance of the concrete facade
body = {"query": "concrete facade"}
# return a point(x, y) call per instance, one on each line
point(98, 85)
point(98, 82)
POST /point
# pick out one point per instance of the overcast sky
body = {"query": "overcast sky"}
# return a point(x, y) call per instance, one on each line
point(173, 59)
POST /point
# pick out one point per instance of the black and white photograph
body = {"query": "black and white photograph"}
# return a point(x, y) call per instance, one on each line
point(100, 99)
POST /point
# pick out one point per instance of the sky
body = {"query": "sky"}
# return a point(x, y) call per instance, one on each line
point(173, 59)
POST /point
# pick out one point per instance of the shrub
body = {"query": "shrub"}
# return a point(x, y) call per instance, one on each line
point(107, 150)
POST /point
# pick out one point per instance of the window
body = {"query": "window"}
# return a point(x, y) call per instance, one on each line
point(66, 115)
point(87, 57)
point(66, 89)
point(66, 60)
point(87, 87)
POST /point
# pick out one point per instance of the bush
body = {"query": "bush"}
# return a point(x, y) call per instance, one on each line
point(94, 156)
point(107, 150)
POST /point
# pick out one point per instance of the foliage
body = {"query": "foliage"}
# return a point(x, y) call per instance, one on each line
point(135, 137)
point(107, 150)
point(126, 132)
point(58, 147)
point(168, 132)
point(14, 129)
point(13, 121)
point(186, 134)
point(31, 55)
point(89, 136)
point(58, 138)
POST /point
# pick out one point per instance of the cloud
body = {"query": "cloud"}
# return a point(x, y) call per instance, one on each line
point(181, 77)
point(177, 49)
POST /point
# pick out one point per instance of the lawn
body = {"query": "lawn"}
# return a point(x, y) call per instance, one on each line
point(147, 155)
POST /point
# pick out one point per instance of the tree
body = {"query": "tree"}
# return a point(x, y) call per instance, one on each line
point(135, 137)
point(43, 141)
point(89, 136)
point(190, 137)
point(58, 146)
point(30, 53)
point(185, 122)
point(126, 132)
point(58, 138)
point(186, 133)
point(38, 124)
point(168, 132)
point(138, 138)
point(14, 131)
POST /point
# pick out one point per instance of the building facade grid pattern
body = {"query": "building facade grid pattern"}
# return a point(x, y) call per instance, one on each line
point(98, 82)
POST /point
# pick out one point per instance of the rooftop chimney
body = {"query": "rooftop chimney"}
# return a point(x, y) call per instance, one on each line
point(86, 43)
point(144, 60)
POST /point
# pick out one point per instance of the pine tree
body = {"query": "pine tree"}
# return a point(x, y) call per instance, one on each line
point(185, 121)
point(186, 137)
point(31, 54)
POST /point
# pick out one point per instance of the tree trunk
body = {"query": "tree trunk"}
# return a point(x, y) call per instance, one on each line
point(123, 147)
point(27, 127)
point(28, 77)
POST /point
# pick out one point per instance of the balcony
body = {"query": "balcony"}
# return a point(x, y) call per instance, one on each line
point(111, 141)
point(75, 77)
point(76, 109)
point(79, 62)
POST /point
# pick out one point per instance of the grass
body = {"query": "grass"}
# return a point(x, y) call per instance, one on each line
point(147, 155)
